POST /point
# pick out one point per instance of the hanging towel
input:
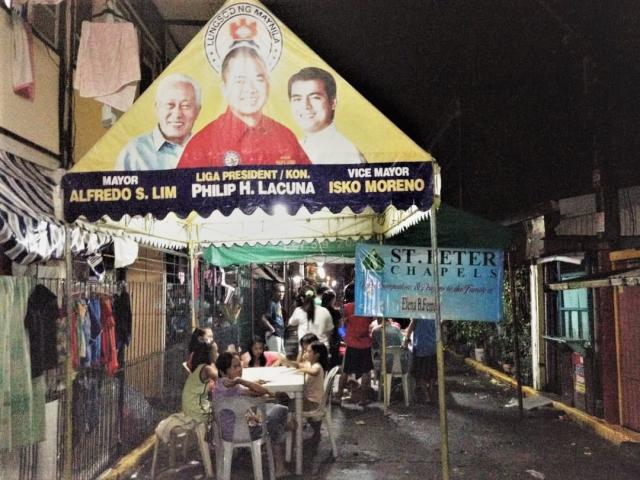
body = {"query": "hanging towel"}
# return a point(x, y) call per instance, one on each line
point(125, 252)
point(23, 77)
point(108, 67)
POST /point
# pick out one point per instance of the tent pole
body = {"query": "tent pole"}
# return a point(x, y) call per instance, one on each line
point(383, 368)
point(192, 276)
point(68, 435)
point(383, 364)
point(444, 435)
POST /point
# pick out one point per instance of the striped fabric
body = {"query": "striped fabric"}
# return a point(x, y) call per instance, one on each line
point(29, 231)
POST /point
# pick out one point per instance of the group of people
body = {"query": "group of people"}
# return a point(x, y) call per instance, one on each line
point(243, 134)
point(317, 314)
point(217, 377)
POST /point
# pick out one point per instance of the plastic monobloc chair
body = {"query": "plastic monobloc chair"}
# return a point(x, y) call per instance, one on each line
point(241, 437)
point(322, 413)
point(397, 371)
point(181, 428)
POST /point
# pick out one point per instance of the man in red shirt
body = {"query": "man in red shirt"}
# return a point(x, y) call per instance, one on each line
point(243, 135)
point(357, 358)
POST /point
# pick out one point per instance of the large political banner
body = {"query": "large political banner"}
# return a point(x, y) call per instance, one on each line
point(245, 95)
point(397, 282)
point(247, 188)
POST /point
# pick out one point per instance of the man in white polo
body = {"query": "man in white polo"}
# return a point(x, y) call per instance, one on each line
point(177, 105)
point(313, 100)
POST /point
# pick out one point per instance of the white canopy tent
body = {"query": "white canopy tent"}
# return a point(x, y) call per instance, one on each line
point(259, 227)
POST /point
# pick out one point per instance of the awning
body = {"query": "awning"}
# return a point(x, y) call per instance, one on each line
point(29, 231)
point(616, 278)
point(241, 255)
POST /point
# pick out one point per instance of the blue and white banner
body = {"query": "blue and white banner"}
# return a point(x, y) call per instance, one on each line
point(247, 188)
point(397, 282)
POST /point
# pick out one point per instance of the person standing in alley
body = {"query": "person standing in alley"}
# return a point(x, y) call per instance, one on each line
point(357, 358)
point(273, 321)
point(424, 367)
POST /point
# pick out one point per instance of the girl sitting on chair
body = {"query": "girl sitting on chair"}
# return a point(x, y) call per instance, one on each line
point(314, 364)
point(197, 388)
point(257, 356)
point(231, 384)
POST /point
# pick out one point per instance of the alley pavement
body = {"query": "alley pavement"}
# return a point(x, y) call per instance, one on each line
point(487, 441)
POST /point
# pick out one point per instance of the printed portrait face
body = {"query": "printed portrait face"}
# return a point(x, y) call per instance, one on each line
point(310, 105)
point(245, 85)
point(176, 110)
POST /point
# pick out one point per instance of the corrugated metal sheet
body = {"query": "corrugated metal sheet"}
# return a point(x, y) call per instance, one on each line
point(582, 225)
point(629, 203)
point(629, 306)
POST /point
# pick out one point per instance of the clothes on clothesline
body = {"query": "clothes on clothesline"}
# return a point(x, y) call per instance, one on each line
point(100, 327)
point(122, 312)
point(108, 347)
point(108, 66)
point(21, 397)
point(23, 77)
point(41, 321)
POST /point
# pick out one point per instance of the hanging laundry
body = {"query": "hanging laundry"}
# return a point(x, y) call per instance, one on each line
point(23, 77)
point(122, 312)
point(95, 341)
point(80, 335)
point(125, 251)
point(108, 66)
point(83, 312)
point(41, 323)
point(96, 264)
point(109, 352)
point(21, 397)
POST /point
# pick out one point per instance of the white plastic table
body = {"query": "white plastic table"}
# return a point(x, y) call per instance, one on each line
point(283, 379)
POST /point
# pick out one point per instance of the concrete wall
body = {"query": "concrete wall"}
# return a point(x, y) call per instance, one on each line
point(35, 120)
point(88, 125)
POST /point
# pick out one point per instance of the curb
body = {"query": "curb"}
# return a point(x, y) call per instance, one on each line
point(125, 466)
point(612, 433)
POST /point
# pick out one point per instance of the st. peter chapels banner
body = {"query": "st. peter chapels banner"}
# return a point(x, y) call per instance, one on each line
point(247, 116)
point(397, 282)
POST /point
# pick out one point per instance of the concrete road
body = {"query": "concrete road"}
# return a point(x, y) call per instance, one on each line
point(487, 441)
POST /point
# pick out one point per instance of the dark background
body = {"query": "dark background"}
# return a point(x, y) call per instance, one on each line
point(518, 100)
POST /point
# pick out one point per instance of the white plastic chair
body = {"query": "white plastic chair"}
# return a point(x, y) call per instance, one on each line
point(241, 437)
point(397, 372)
point(323, 412)
point(180, 429)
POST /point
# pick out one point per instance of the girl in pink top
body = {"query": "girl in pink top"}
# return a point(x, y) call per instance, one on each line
point(256, 356)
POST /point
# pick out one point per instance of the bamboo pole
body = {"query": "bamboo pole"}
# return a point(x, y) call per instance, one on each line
point(442, 407)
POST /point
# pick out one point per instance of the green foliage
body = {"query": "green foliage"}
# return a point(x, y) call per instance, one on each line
point(473, 334)
point(497, 340)
point(505, 354)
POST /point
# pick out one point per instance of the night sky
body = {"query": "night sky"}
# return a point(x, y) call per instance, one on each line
point(515, 99)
